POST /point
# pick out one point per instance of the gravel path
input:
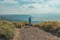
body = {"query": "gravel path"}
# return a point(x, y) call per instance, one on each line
point(34, 33)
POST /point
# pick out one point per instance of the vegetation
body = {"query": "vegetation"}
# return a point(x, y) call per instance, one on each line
point(20, 24)
point(51, 26)
point(7, 30)
point(35, 25)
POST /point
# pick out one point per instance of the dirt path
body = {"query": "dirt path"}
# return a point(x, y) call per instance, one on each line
point(34, 33)
point(17, 36)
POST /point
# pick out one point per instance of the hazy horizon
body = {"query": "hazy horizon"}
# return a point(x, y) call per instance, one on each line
point(36, 18)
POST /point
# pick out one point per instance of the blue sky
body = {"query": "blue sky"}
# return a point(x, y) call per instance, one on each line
point(29, 6)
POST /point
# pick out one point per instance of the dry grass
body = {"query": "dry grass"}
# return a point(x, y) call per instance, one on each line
point(17, 34)
point(7, 29)
point(51, 26)
point(20, 24)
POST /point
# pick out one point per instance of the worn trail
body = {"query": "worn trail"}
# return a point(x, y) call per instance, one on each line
point(33, 33)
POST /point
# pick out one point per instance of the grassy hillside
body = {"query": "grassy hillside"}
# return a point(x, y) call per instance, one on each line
point(51, 26)
point(7, 30)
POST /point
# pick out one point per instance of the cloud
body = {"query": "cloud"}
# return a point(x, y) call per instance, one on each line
point(43, 3)
point(29, 6)
point(39, 3)
point(20, 10)
point(40, 10)
point(11, 2)
point(9, 10)
point(33, 3)
point(53, 3)
point(1, 0)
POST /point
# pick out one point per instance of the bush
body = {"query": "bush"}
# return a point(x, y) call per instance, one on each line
point(20, 24)
point(7, 30)
point(48, 27)
point(35, 25)
point(51, 26)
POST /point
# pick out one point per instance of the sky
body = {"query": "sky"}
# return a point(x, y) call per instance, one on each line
point(29, 6)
